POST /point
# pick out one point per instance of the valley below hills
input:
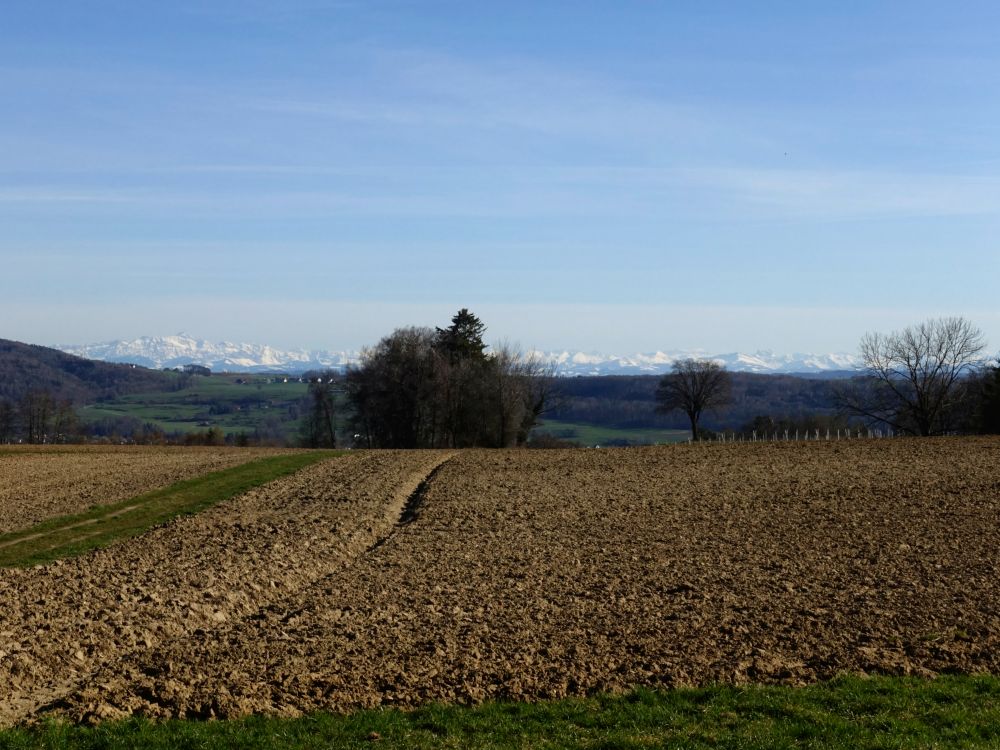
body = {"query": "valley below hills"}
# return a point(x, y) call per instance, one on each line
point(139, 396)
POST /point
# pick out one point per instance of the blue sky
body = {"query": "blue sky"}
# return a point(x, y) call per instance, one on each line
point(625, 176)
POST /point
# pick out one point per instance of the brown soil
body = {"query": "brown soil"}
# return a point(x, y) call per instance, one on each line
point(526, 575)
point(41, 482)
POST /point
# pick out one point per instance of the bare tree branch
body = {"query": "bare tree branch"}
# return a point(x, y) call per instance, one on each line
point(913, 376)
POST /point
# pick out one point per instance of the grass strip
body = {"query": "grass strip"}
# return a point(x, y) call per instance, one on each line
point(849, 712)
point(72, 535)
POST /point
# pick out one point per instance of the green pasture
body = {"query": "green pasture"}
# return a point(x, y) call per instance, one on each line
point(234, 403)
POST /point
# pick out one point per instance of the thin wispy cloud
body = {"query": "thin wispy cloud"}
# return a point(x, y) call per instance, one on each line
point(838, 193)
point(255, 12)
point(57, 195)
point(453, 104)
point(433, 91)
point(732, 192)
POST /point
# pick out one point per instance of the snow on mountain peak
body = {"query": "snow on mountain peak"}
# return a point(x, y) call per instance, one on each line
point(181, 349)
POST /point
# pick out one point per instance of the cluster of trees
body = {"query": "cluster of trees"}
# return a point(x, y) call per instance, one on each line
point(126, 429)
point(211, 436)
point(38, 417)
point(271, 432)
point(428, 388)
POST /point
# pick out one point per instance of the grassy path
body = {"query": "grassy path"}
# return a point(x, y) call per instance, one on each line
point(72, 535)
point(851, 712)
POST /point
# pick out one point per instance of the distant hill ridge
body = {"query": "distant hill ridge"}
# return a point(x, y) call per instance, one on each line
point(175, 351)
point(26, 367)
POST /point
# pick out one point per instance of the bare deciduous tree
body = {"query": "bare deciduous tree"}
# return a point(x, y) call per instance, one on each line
point(525, 389)
point(393, 392)
point(693, 386)
point(914, 377)
point(7, 420)
point(319, 425)
point(36, 409)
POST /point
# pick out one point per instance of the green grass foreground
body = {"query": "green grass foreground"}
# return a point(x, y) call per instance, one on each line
point(67, 536)
point(850, 712)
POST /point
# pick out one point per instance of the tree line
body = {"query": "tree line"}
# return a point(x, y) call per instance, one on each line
point(927, 379)
point(423, 387)
point(38, 417)
point(629, 401)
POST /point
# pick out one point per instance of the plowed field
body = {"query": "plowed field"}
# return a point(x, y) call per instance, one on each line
point(526, 575)
point(40, 482)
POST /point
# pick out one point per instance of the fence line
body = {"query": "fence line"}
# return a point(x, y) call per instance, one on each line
point(815, 435)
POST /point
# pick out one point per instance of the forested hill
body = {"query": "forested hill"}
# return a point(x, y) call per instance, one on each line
point(629, 401)
point(26, 367)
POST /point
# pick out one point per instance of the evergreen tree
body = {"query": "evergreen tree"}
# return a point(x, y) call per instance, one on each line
point(463, 339)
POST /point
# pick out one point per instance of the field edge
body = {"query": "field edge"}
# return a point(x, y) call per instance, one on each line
point(847, 712)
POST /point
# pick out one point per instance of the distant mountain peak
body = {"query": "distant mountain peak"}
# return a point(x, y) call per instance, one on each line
point(180, 349)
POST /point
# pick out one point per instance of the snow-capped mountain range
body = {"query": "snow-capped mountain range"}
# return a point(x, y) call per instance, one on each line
point(176, 351)
point(582, 363)
point(158, 352)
